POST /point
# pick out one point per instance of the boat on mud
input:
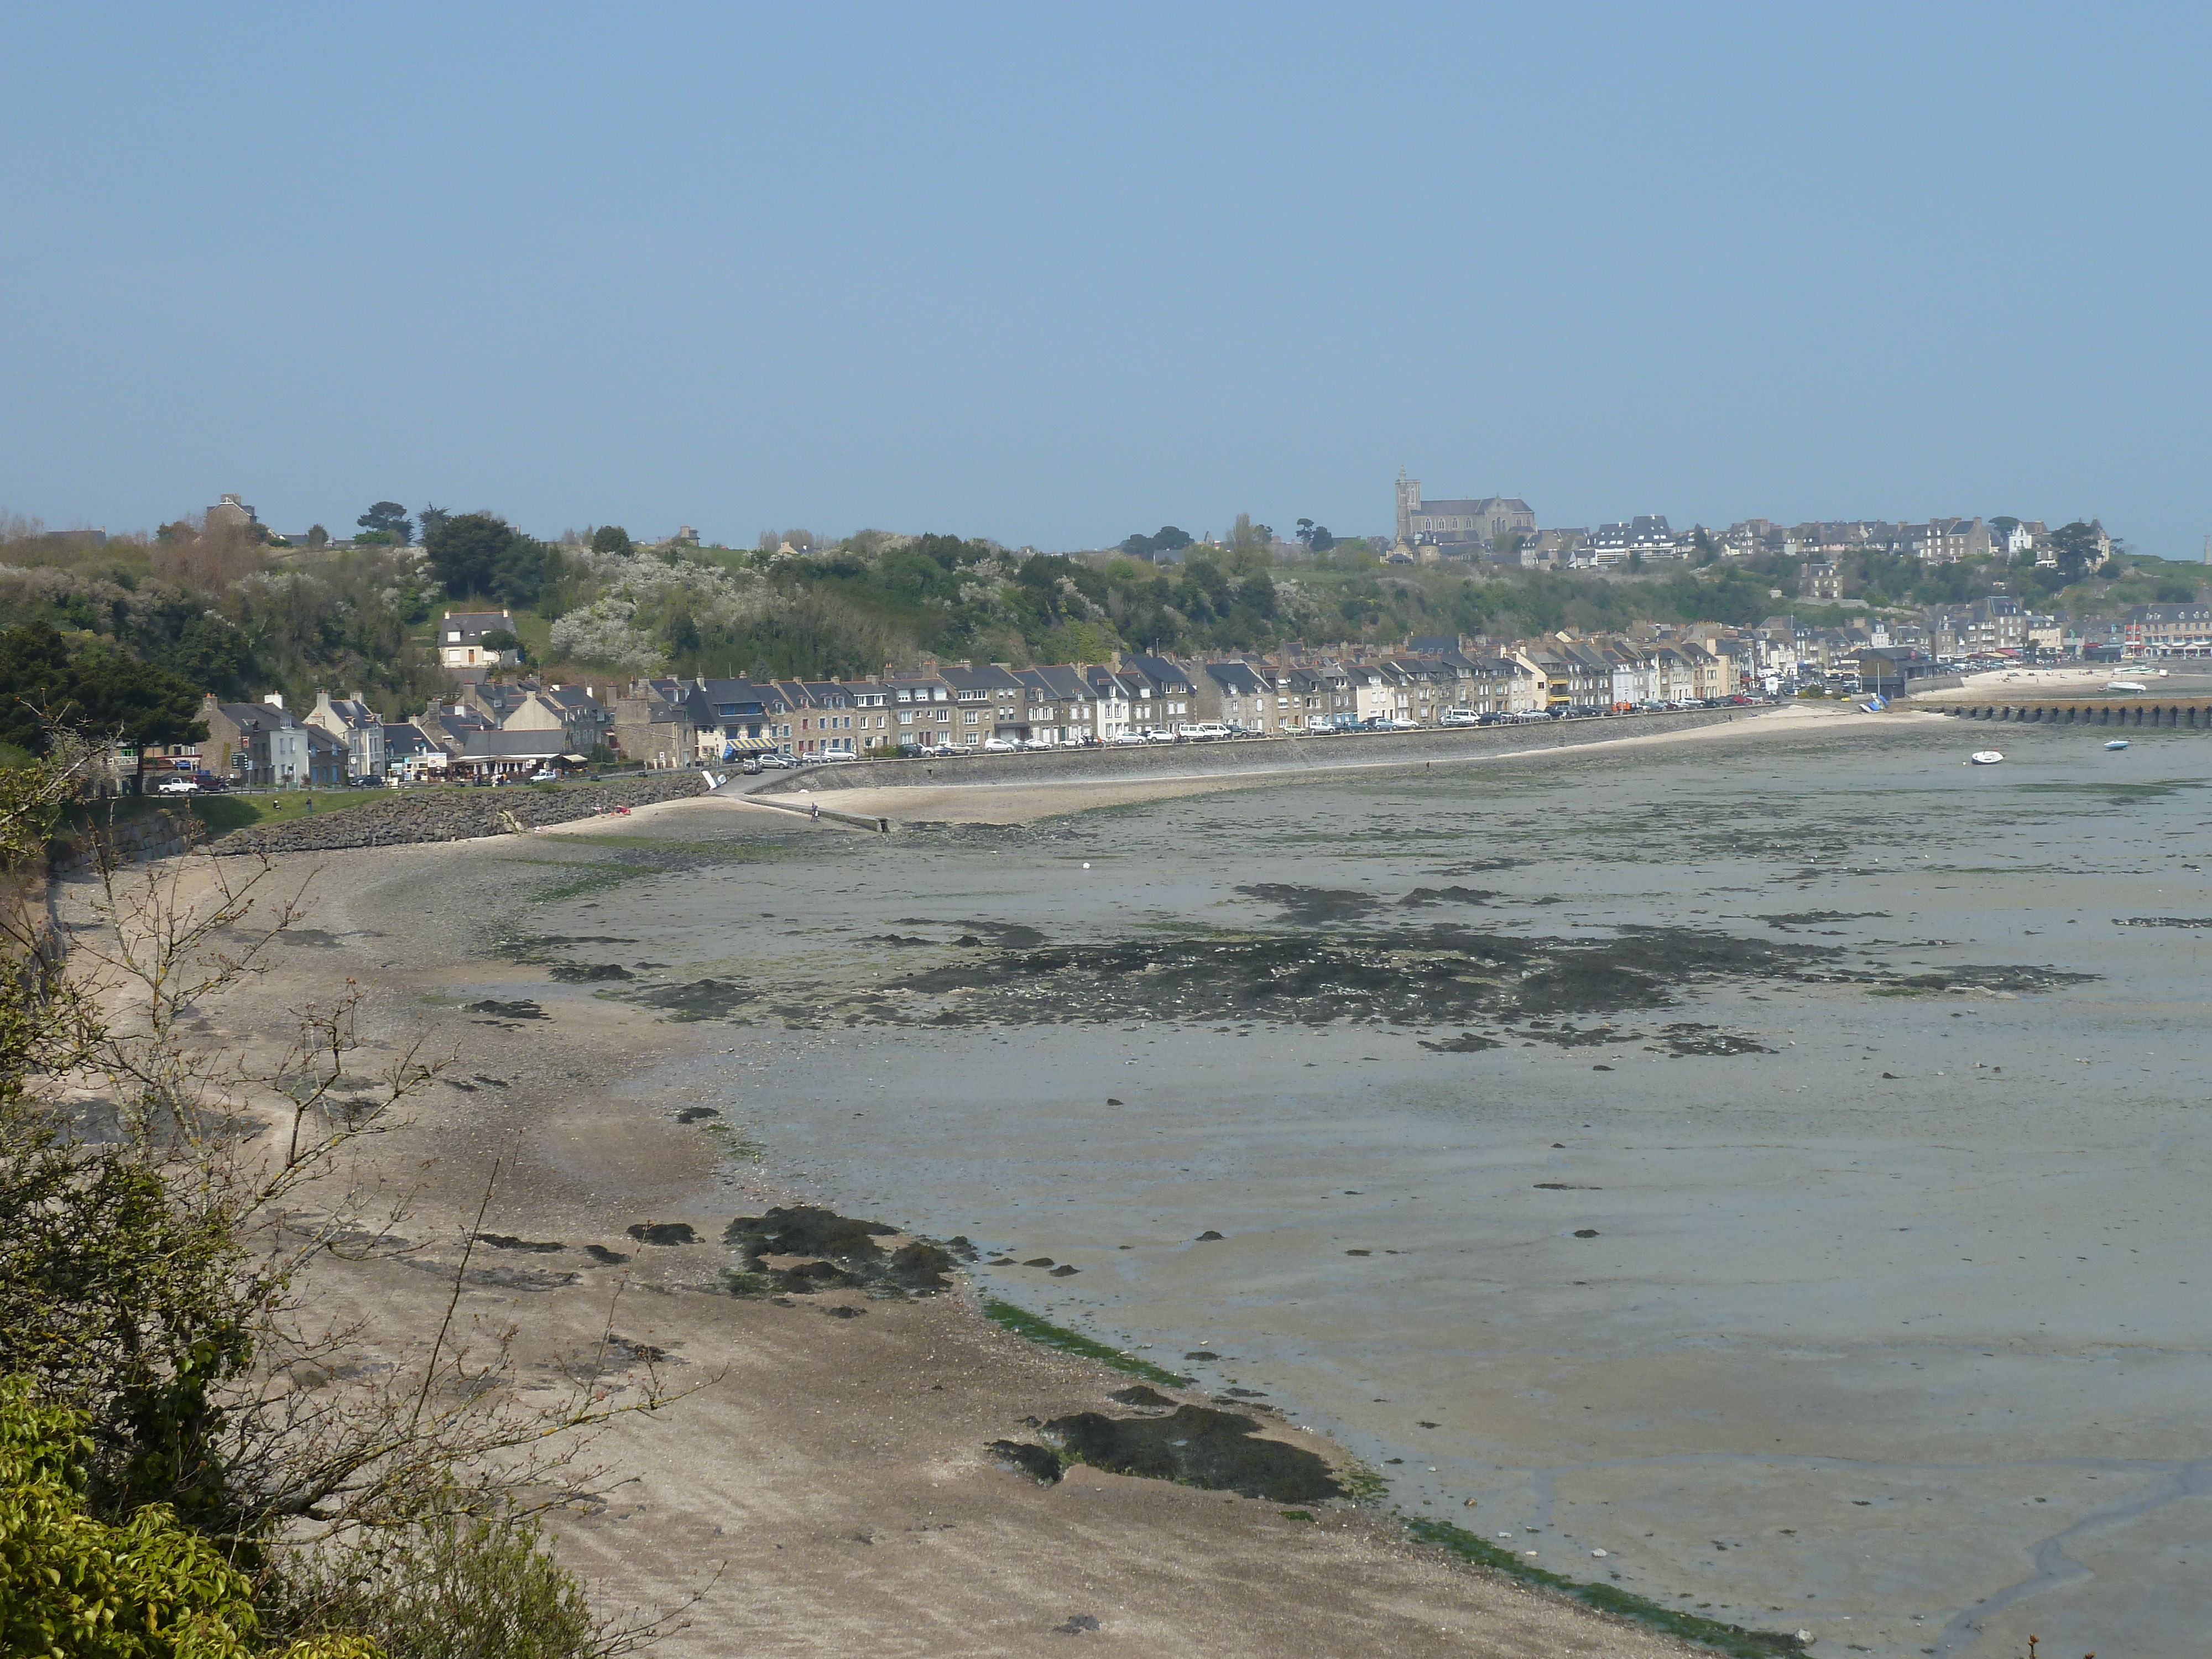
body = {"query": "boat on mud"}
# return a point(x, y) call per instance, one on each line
point(1984, 757)
point(2117, 743)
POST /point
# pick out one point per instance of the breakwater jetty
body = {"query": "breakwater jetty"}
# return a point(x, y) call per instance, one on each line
point(2183, 714)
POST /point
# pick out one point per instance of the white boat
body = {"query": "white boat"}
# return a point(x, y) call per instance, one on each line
point(2117, 743)
point(2126, 685)
point(1985, 757)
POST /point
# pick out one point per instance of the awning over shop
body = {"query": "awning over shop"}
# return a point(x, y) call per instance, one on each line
point(748, 746)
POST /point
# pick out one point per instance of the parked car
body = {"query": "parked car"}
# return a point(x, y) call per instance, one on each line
point(545, 774)
point(1000, 746)
point(751, 769)
point(177, 786)
point(364, 780)
point(1129, 736)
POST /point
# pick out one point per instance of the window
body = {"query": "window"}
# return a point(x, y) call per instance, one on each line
point(905, 719)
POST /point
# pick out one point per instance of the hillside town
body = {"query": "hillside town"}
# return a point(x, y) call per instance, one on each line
point(501, 724)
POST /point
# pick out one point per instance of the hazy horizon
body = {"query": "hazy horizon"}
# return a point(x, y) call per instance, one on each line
point(1057, 278)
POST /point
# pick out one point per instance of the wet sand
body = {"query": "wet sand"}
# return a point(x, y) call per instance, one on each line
point(1893, 1330)
point(827, 1489)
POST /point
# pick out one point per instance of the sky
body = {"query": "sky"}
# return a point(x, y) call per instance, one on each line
point(1057, 274)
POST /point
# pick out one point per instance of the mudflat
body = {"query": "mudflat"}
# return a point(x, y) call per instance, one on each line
point(1769, 1163)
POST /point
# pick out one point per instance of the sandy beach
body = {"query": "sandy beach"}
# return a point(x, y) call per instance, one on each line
point(1014, 800)
point(1026, 1027)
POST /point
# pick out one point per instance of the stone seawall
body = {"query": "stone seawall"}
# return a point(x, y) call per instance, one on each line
point(165, 834)
point(451, 814)
point(1246, 754)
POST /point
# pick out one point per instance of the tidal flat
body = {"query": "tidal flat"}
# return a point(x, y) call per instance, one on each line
point(1776, 1167)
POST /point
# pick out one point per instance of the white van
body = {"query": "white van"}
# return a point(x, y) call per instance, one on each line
point(1461, 717)
point(1205, 730)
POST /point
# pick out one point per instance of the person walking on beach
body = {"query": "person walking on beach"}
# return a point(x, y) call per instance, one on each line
point(814, 813)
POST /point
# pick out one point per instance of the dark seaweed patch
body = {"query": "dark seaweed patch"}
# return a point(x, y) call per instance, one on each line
point(1139, 1395)
point(693, 1114)
point(662, 1232)
point(586, 973)
point(1421, 897)
point(1040, 1463)
point(834, 1252)
point(1439, 975)
point(604, 1256)
point(1574, 1036)
point(1197, 1446)
point(1308, 907)
point(2162, 922)
point(701, 999)
point(1007, 935)
point(1686, 1039)
point(1588, 986)
point(522, 1010)
point(1996, 977)
point(508, 1241)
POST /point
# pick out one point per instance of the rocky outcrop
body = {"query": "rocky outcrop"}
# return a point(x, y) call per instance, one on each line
point(453, 814)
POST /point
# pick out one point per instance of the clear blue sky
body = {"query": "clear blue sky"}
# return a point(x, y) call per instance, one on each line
point(1053, 274)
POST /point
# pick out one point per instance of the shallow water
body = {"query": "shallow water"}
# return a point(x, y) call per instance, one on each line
point(1890, 1324)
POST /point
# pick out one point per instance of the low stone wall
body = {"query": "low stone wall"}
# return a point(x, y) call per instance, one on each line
point(450, 814)
point(163, 835)
point(1243, 755)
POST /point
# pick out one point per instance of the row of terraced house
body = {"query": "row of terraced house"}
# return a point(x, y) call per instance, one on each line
point(494, 730)
point(671, 722)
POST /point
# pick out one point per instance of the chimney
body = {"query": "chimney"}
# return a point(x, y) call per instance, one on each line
point(274, 699)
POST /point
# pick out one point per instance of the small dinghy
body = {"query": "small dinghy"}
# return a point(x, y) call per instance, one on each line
point(1985, 757)
point(2117, 743)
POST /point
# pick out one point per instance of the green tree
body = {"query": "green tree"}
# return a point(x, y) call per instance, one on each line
point(613, 538)
point(212, 654)
point(389, 519)
point(115, 696)
point(2076, 546)
point(1250, 538)
point(481, 555)
point(431, 518)
point(318, 537)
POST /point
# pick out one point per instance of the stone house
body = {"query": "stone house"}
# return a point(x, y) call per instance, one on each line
point(356, 725)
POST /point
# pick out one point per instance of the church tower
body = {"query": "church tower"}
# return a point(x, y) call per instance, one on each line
point(1409, 503)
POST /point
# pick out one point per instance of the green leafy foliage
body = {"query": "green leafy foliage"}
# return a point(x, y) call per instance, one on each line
point(43, 683)
point(388, 522)
point(75, 1587)
point(480, 554)
point(462, 1588)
